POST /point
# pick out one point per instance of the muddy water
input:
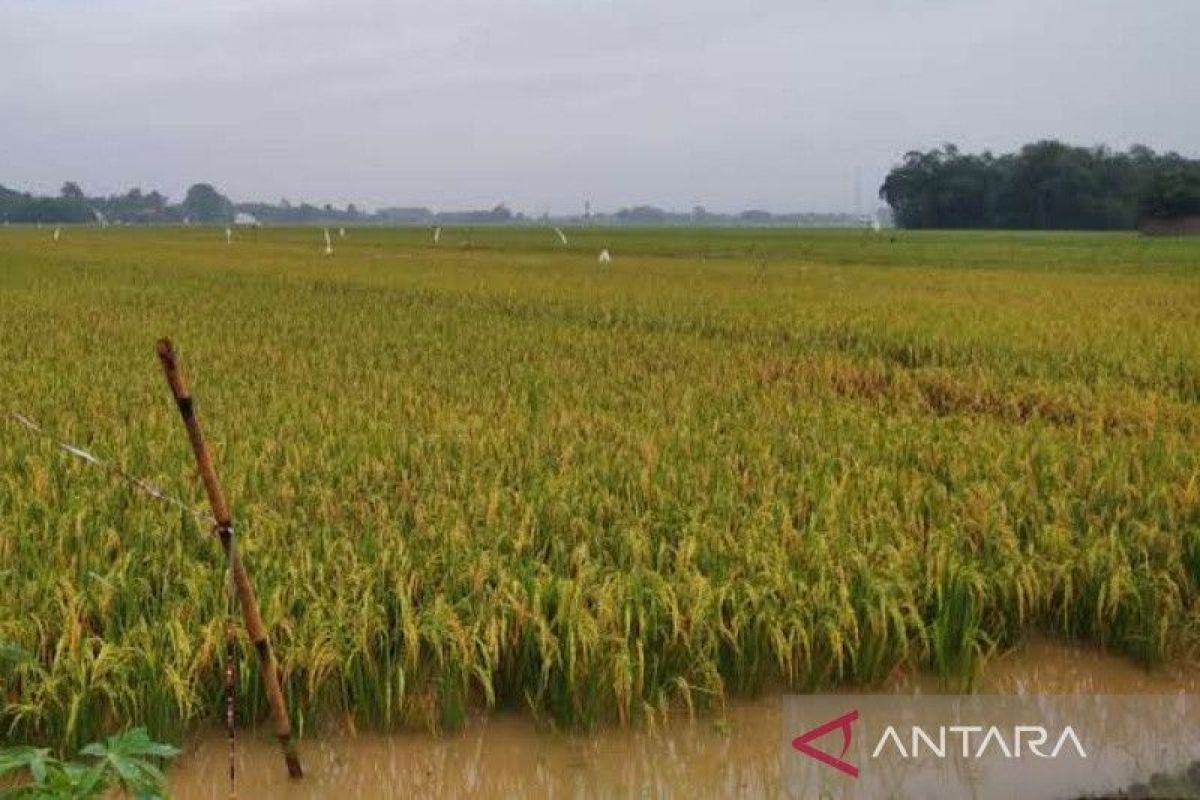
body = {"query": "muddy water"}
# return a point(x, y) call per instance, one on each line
point(735, 755)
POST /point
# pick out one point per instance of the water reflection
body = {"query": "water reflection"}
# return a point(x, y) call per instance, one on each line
point(501, 755)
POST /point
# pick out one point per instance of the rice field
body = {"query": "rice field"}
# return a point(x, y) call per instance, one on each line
point(491, 473)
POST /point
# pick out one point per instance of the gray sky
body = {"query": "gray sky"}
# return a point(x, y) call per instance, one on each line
point(466, 103)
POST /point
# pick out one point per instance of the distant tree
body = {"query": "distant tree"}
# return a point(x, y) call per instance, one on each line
point(405, 215)
point(69, 206)
point(641, 215)
point(203, 203)
point(939, 188)
point(1173, 190)
point(9, 200)
point(755, 216)
point(1056, 186)
point(1046, 184)
point(49, 209)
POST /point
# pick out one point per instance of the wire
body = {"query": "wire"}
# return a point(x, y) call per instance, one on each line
point(141, 484)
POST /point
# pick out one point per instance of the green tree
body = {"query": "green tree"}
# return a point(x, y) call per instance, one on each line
point(203, 203)
point(71, 191)
point(1047, 185)
point(1173, 190)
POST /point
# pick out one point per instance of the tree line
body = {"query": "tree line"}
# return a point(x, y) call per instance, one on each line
point(204, 204)
point(1045, 185)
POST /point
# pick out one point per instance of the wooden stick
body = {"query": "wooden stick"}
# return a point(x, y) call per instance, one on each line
point(250, 614)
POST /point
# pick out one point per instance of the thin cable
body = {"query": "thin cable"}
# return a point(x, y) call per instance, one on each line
point(141, 484)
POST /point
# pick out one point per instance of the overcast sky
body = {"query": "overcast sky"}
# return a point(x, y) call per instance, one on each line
point(458, 104)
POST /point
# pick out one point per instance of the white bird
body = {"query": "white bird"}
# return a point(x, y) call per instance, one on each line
point(328, 243)
point(228, 235)
point(342, 233)
point(57, 233)
point(604, 257)
point(437, 235)
point(876, 226)
point(562, 237)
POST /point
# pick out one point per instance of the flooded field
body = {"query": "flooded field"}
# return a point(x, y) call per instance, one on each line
point(736, 754)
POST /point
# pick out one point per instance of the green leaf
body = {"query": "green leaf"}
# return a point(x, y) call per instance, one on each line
point(86, 781)
point(130, 770)
point(160, 750)
point(128, 755)
point(35, 759)
point(137, 742)
point(76, 781)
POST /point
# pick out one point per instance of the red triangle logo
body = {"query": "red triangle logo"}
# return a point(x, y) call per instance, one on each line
point(843, 723)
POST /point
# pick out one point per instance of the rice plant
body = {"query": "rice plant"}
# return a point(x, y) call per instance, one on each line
point(495, 476)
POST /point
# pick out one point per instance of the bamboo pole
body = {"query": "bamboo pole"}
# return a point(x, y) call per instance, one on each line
point(224, 529)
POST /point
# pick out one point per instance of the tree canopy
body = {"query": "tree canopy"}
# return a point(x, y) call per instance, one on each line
point(203, 203)
point(1045, 185)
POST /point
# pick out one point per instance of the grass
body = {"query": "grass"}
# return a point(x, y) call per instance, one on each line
point(492, 474)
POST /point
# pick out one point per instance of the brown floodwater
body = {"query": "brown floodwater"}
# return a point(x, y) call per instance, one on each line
point(736, 753)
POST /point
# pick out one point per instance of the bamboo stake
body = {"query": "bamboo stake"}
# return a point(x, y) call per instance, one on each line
point(245, 591)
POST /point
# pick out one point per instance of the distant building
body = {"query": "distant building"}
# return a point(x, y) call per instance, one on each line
point(242, 219)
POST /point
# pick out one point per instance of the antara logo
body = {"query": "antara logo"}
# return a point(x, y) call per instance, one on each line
point(842, 723)
point(992, 739)
point(974, 742)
